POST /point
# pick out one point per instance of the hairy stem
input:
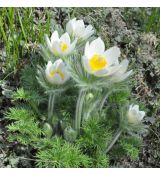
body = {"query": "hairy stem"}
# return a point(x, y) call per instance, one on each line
point(117, 135)
point(79, 109)
point(104, 100)
point(106, 96)
point(90, 110)
point(50, 106)
point(33, 105)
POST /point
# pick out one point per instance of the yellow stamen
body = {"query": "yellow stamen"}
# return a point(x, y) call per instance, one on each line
point(53, 72)
point(63, 46)
point(97, 62)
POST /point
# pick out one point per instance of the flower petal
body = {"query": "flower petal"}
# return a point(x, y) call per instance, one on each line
point(86, 35)
point(80, 24)
point(58, 64)
point(86, 64)
point(97, 46)
point(136, 107)
point(65, 38)
point(71, 47)
point(70, 26)
point(141, 115)
point(107, 71)
point(126, 75)
point(56, 48)
point(112, 54)
point(54, 37)
point(112, 69)
point(57, 79)
point(88, 28)
point(101, 73)
point(48, 42)
point(87, 52)
point(121, 77)
point(66, 76)
point(48, 67)
point(124, 66)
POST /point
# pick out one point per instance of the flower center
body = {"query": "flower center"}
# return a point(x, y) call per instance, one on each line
point(53, 72)
point(97, 62)
point(63, 46)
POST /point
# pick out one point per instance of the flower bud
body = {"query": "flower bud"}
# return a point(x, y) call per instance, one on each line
point(134, 115)
point(78, 29)
point(47, 129)
point(89, 96)
point(70, 134)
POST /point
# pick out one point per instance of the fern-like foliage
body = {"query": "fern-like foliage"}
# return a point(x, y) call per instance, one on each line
point(127, 146)
point(60, 154)
point(24, 128)
point(132, 145)
point(28, 96)
point(28, 78)
point(32, 98)
point(100, 160)
point(96, 135)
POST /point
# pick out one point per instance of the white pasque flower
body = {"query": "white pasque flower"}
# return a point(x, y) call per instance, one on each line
point(121, 74)
point(134, 115)
point(78, 29)
point(56, 73)
point(60, 46)
point(99, 62)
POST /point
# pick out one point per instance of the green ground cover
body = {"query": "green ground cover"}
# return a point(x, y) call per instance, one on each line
point(135, 30)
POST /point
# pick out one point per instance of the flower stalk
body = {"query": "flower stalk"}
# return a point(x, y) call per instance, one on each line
point(106, 96)
point(115, 138)
point(104, 100)
point(50, 106)
point(79, 110)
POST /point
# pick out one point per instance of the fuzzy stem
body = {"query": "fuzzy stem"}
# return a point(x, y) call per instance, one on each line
point(50, 106)
point(79, 109)
point(103, 100)
point(117, 135)
point(106, 96)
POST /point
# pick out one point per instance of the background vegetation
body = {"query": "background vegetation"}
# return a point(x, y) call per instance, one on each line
point(135, 30)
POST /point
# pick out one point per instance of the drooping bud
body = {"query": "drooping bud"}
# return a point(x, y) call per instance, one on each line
point(134, 115)
point(70, 134)
point(89, 96)
point(47, 129)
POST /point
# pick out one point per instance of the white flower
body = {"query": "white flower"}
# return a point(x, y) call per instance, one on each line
point(56, 73)
point(78, 29)
point(134, 115)
point(60, 46)
point(121, 74)
point(99, 62)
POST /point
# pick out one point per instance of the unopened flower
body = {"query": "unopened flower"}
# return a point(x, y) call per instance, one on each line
point(47, 129)
point(89, 96)
point(121, 74)
point(70, 134)
point(134, 115)
point(56, 73)
point(78, 29)
point(99, 62)
point(60, 46)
